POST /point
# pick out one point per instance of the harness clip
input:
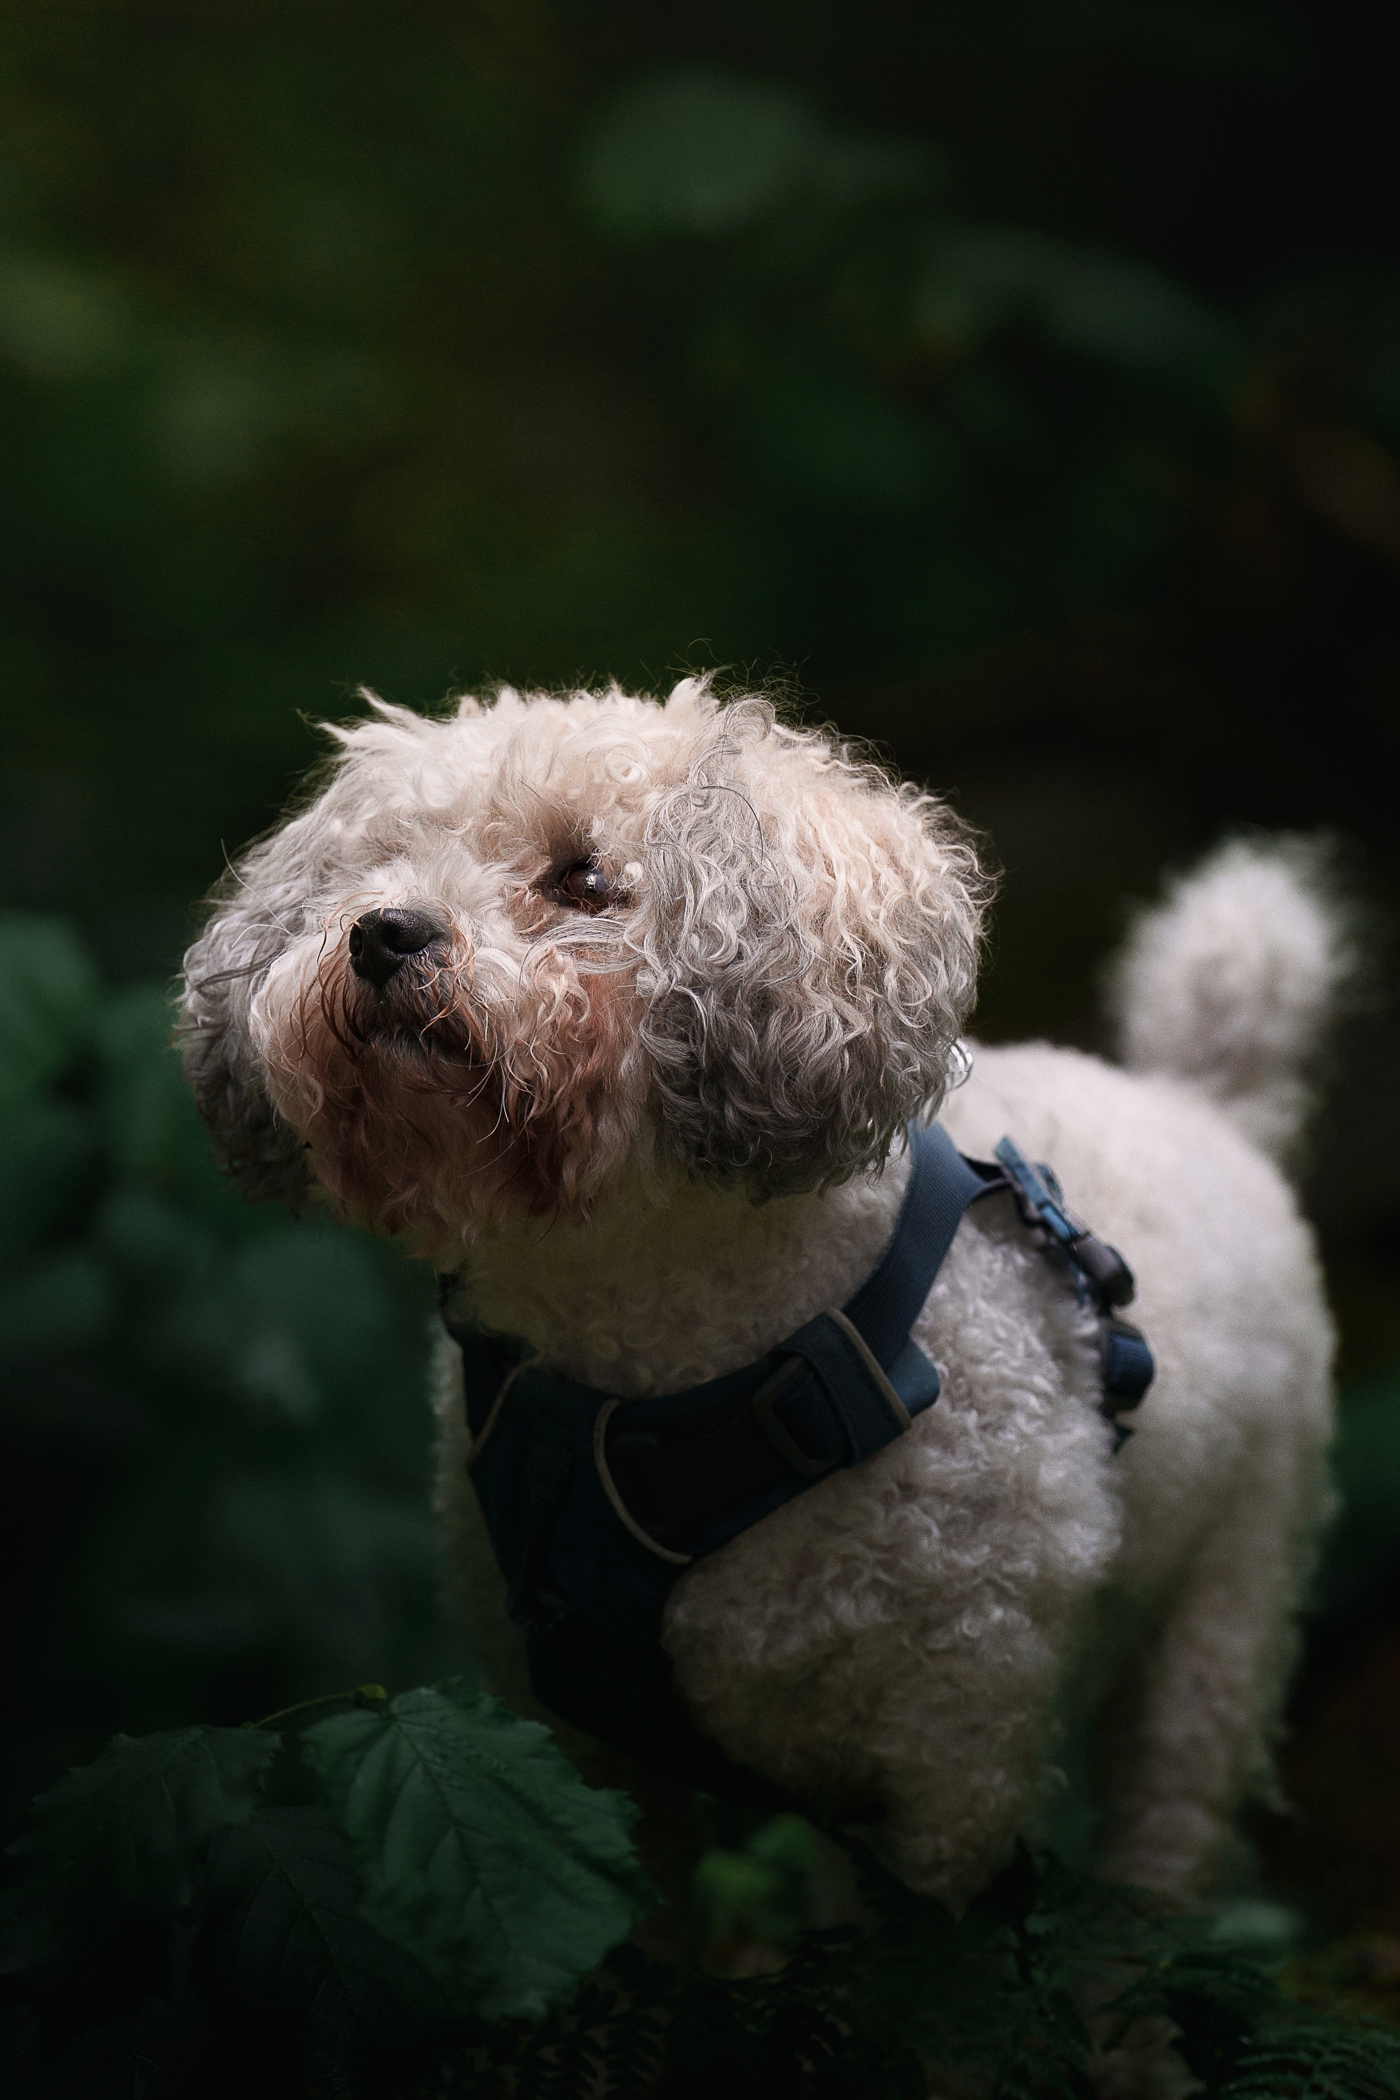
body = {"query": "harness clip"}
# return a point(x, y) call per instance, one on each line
point(783, 1441)
point(1042, 1205)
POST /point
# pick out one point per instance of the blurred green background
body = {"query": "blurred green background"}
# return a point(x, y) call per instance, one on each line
point(1019, 384)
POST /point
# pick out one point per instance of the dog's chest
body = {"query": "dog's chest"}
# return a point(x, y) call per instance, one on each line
point(651, 1298)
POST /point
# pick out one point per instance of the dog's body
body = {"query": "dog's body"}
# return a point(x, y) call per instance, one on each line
point(676, 959)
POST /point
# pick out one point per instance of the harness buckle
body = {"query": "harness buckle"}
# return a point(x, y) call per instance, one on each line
point(764, 1405)
point(1102, 1268)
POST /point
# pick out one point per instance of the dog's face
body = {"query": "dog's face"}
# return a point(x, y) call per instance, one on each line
point(506, 952)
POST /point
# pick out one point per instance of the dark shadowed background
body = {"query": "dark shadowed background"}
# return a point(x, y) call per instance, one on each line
point(1017, 384)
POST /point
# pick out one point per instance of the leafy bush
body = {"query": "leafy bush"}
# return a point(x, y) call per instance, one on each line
point(962, 426)
point(492, 1879)
point(189, 1920)
point(221, 1412)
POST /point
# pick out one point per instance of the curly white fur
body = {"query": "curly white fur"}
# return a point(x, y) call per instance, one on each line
point(1233, 981)
point(655, 1139)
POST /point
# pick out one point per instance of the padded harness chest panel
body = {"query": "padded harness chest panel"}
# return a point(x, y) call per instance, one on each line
point(594, 1504)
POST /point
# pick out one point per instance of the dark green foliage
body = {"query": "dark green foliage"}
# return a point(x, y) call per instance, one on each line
point(477, 1848)
point(763, 1892)
point(48, 989)
point(1245, 2042)
point(132, 1828)
point(1317, 2060)
point(230, 1940)
point(457, 1827)
point(547, 341)
point(283, 1887)
point(1365, 1554)
point(1048, 396)
point(1023, 1996)
point(230, 1406)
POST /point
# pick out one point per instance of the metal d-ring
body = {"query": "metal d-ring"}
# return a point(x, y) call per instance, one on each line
point(620, 1509)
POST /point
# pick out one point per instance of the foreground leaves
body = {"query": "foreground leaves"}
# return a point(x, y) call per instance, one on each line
point(1318, 2059)
point(451, 1922)
point(288, 1878)
point(480, 1849)
point(133, 1826)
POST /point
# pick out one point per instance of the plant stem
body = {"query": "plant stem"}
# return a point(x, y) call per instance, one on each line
point(374, 1693)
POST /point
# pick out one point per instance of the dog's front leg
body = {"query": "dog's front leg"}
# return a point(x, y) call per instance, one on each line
point(881, 1647)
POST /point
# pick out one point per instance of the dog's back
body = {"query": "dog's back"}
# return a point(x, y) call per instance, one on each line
point(1223, 998)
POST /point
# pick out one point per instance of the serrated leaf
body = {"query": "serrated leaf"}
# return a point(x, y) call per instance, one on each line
point(1318, 2056)
point(134, 1824)
point(290, 1876)
point(480, 1849)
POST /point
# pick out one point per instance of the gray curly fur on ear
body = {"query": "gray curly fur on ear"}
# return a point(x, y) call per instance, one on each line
point(810, 959)
point(221, 971)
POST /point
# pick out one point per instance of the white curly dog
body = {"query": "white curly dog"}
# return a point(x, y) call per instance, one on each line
point(617, 1012)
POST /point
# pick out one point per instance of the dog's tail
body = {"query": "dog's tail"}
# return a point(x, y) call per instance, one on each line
point(1231, 982)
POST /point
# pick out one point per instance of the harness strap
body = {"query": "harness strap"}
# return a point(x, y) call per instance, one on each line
point(688, 1471)
point(595, 1504)
point(941, 1185)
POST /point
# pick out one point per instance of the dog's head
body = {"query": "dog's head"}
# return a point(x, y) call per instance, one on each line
point(504, 952)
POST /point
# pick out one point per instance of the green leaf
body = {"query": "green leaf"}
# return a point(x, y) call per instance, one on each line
point(1318, 2056)
point(480, 1849)
point(134, 1824)
point(289, 1876)
point(763, 1892)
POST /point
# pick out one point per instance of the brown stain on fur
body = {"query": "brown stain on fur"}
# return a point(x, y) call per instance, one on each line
point(425, 1106)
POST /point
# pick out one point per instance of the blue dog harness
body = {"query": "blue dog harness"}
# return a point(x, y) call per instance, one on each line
point(594, 1505)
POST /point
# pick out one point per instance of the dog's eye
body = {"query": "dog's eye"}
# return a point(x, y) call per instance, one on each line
point(586, 886)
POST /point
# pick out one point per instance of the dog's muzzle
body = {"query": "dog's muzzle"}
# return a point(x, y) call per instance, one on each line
point(381, 941)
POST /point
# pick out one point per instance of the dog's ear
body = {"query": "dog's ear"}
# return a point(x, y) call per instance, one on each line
point(810, 944)
point(221, 973)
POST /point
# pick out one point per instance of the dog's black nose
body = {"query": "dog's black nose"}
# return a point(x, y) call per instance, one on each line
point(381, 940)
